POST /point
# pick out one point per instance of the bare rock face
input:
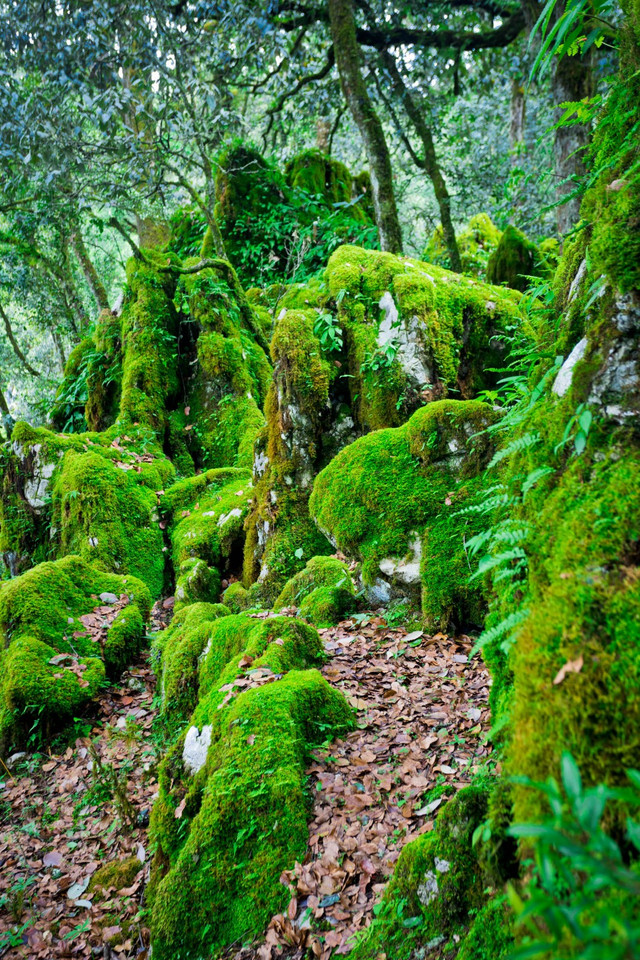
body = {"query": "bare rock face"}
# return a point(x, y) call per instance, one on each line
point(196, 745)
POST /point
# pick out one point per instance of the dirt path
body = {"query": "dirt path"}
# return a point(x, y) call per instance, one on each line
point(422, 712)
point(61, 821)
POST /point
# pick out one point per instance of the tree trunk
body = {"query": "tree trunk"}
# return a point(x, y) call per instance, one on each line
point(91, 274)
point(323, 132)
point(14, 343)
point(5, 415)
point(348, 57)
point(517, 118)
point(430, 160)
point(572, 81)
point(57, 340)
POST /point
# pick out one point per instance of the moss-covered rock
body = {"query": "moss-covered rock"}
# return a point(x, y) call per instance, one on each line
point(476, 242)
point(50, 667)
point(323, 592)
point(204, 517)
point(228, 376)
point(394, 499)
point(231, 813)
point(412, 331)
point(281, 536)
point(514, 260)
point(236, 597)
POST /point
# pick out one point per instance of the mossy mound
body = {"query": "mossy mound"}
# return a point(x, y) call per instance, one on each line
point(50, 666)
point(236, 597)
point(476, 242)
point(318, 572)
point(231, 812)
point(514, 260)
point(319, 175)
point(394, 499)
point(92, 494)
point(323, 591)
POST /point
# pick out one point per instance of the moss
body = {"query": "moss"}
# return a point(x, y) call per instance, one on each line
point(205, 516)
point(436, 884)
point(124, 640)
point(243, 819)
point(232, 373)
point(114, 876)
point(149, 341)
point(584, 604)
point(476, 242)
point(514, 260)
point(320, 175)
point(181, 646)
point(318, 572)
point(381, 494)
point(326, 606)
point(490, 936)
point(236, 597)
point(39, 619)
point(281, 535)
point(452, 325)
point(107, 516)
point(197, 582)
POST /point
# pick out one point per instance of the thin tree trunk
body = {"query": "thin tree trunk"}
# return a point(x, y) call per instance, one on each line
point(323, 132)
point(14, 343)
point(354, 88)
point(91, 274)
point(430, 160)
point(57, 340)
point(5, 415)
point(517, 118)
point(572, 81)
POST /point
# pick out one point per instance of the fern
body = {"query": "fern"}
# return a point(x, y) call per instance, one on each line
point(505, 627)
point(520, 443)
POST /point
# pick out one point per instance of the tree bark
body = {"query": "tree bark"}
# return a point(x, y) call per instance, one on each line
point(517, 118)
point(57, 340)
point(348, 60)
point(429, 161)
point(5, 415)
point(16, 346)
point(572, 80)
point(91, 274)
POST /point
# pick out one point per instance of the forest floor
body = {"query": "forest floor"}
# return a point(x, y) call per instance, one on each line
point(422, 718)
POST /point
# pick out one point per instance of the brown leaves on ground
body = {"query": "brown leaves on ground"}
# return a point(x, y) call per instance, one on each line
point(422, 709)
point(51, 842)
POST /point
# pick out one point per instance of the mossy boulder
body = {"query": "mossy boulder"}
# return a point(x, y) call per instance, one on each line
point(412, 331)
point(394, 500)
point(515, 259)
point(236, 597)
point(323, 592)
point(204, 517)
point(50, 666)
point(476, 242)
point(231, 812)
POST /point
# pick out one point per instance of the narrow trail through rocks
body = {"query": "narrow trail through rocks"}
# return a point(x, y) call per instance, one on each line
point(421, 714)
point(422, 707)
point(60, 822)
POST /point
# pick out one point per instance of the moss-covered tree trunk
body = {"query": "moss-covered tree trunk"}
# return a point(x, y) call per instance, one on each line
point(429, 160)
point(572, 81)
point(348, 57)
